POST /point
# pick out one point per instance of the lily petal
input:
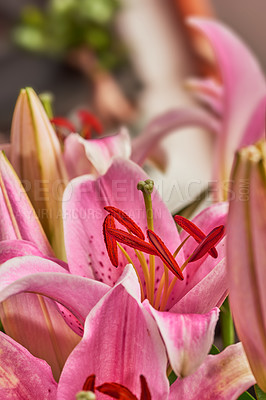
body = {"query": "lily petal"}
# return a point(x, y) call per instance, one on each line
point(164, 124)
point(187, 337)
point(212, 290)
point(244, 88)
point(125, 340)
point(37, 275)
point(221, 377)
point(18, 218)
point(22, 375)
point(18, 248)
point(94, 156)
point(208, 91)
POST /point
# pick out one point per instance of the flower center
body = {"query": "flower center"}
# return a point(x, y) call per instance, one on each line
point(155, 247)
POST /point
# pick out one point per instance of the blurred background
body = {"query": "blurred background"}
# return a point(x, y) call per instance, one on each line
point(125, 61)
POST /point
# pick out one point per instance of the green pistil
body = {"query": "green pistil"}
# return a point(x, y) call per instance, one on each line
point(85, 395)
point(147, 188)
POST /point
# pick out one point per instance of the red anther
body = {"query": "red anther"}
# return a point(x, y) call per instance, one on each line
point(110, 243)
point(89, 384)
point(116, 391)
point(125, 220)
point(63, 123)
point(208, 242)
point(132, 241)
point(194, 231)
point(89, 120)
point(165, 254)
point(145, 392)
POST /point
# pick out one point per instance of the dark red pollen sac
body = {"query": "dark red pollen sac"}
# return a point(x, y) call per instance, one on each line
point(126, 221)
point(89, 384)
point(131, 241)
point(165, 254)
point(194, 231)
point(208, 242)
point(110, 242)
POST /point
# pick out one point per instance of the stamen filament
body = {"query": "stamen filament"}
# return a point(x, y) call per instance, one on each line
point(131, 262)
point(146, 272)
point(180, 246)
point(165, 292)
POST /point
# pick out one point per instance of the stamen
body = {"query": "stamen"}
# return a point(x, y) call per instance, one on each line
point(125, 220)
point(88, 121)
point(116, 391)
point(210, 240)
point(110, 243)
point(131, 241)
point(89, 384)
point(165, 254)
point(145, 392)
point(194, 231)
point(63, 123)
point(145, 270)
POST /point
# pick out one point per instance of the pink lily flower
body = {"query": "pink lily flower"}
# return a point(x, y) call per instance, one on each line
point(246, 255)
point(121, 355)
point(182, 299)
point(239, 101)
point(86, 204)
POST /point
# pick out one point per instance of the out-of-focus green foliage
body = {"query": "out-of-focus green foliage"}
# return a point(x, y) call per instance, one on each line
point(68, 24)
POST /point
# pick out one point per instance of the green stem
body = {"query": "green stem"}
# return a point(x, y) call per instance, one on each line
point(227, 325)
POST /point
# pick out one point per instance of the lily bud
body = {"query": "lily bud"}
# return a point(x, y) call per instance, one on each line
point(37, 158)
point(246, 252)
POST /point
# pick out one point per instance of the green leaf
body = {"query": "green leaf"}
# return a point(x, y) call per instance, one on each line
point(246, 396)
point(214, 350)
point(259, 393)
point(172, 378)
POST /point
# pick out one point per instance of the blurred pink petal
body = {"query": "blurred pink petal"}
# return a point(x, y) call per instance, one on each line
point(244, 89)
point(162, 125)
point(94, 156)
